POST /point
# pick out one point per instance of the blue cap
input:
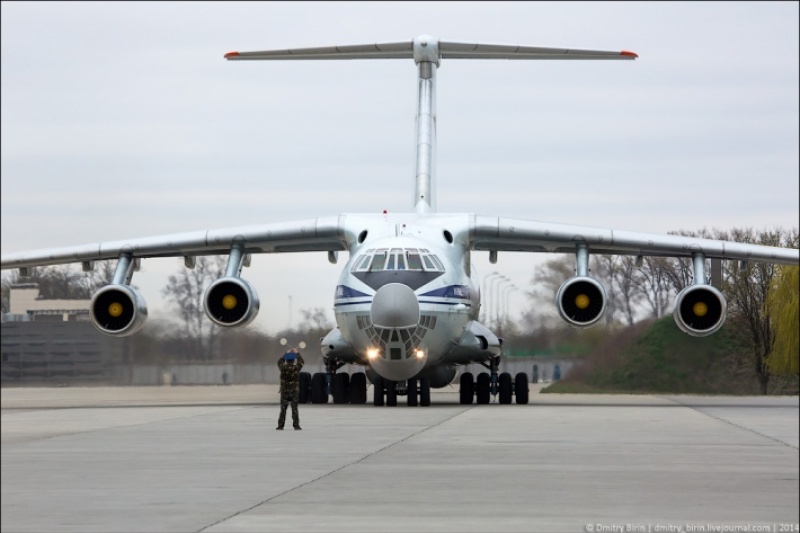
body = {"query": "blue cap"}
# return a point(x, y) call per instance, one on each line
point(289, 356)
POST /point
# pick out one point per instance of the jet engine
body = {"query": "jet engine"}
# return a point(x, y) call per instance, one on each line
point(581, 301)
point(118, 310)
point(700, 310)
point(230, 302)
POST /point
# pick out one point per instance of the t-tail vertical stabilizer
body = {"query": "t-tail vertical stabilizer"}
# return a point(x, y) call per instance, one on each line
point(427, 52)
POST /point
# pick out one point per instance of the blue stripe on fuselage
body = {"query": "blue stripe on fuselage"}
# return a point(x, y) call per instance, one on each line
point(458, 292)
point(451, 291)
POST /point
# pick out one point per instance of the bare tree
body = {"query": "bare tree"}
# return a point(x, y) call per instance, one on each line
point(653, 284)
point(185, 291)
point(618, 273)
point(546, 280)
point(61, 282)
point(747, 287)
point(101, 275)
point(314, 319)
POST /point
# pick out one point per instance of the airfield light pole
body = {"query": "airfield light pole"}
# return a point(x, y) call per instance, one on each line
point(490, 297)
point(487, 315)
point(496, 296)
point(498, 302)
point(507, 294)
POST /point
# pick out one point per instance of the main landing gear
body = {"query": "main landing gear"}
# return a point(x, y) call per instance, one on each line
point(346, 388)
point(343, 387)
point(488, 384)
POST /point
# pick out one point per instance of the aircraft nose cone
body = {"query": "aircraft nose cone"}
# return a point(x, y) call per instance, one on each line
point(395, 306)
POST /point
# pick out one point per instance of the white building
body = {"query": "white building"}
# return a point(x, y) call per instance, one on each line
point(26, 304)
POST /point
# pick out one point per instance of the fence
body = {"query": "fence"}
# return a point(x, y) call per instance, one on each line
point(41, 353)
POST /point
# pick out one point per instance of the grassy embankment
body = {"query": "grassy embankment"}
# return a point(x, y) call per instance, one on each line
point(657, 357)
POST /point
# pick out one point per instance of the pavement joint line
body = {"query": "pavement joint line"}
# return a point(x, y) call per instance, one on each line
point(693, 408)
point(301, 485)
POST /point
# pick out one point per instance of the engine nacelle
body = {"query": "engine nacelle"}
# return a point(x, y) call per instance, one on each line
point(231, 302)
point(700, 310)
point(118, 310)
point(334, 343)
point(581, 301)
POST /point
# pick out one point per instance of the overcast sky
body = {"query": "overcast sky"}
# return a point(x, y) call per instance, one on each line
point(124, 120)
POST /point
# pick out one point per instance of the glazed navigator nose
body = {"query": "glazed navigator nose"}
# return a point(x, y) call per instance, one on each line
point(395, 306)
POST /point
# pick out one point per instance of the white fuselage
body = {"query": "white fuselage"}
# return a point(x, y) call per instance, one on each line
point(409, 250)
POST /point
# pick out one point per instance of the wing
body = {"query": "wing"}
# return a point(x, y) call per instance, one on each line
point(519, 235)
point(312, 235)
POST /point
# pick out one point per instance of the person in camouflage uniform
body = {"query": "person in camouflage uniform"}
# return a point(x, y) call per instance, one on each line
point(290, 364)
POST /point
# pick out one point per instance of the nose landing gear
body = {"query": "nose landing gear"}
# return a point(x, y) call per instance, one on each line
point(417, 392)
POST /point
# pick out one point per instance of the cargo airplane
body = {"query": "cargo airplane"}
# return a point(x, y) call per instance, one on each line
point(407, 299)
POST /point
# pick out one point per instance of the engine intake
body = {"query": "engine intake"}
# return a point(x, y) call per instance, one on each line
point(700, 310)
point(231, 302)
point(118, 310)
point(581, 301)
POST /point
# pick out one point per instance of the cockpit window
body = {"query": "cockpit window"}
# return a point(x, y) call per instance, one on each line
point(414, 262)
point(362, 263)
point(397, 261)
point(378, 261)
point(413, 259)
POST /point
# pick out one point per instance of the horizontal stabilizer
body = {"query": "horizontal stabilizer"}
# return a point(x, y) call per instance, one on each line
point(356, 51)
point(446, 49)
point(453, 50)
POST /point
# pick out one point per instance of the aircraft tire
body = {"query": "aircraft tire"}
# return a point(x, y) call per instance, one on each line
point(483, 388)
point(305, 387)
point(425, 392)
point(377, 389)
point(467, 389)
point(505, 386)
point(412, 393)
point(341, 388)
point(358, 388)
point(521, 388)
point(319, 388)
point(391, 393)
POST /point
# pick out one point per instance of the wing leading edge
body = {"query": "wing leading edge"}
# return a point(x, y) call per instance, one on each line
point(311, 235)
point(520, 235)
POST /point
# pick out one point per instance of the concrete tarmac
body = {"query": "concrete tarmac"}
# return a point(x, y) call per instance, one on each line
point(208, 459)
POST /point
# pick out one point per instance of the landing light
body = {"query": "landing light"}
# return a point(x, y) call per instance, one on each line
point(372, 353)
point(419, 354)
